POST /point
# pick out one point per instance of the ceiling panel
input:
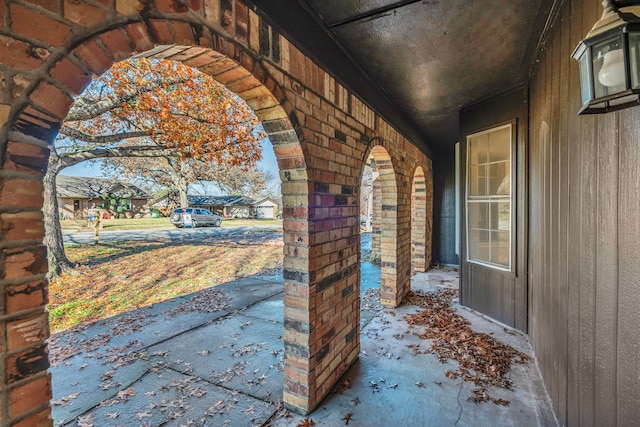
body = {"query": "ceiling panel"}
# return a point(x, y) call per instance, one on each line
point(425, 59)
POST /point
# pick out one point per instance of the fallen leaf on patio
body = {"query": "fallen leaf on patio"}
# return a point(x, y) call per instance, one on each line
point(65, 401)
point(113, 415)
point(419, 384)
point(347, 418)
point(203, 352)
point(483, 360)
point(141, 415)
point(355, 401)
point(307, 422)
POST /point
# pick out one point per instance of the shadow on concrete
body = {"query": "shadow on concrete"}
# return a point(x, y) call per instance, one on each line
point(215, 358)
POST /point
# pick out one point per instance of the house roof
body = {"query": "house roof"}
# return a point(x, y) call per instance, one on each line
point(266, 199)
point(220, 200)
point(83, 187)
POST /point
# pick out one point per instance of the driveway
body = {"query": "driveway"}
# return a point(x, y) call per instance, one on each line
point(171, 234)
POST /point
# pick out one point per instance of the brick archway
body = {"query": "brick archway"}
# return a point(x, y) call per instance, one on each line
point(320, 131)
point(419, 262)
point(385, 202)
point(31, 125)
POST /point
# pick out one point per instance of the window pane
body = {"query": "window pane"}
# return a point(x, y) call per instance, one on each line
point(478, 147)
point(489, 192)
point(499, 146)
point(634, 59)
point(479, 215)
point(479, 245)
point(500, 247)
point(585, 89)
point(499, 178)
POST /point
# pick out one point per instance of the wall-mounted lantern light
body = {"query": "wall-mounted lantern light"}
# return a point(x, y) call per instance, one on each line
point(609, 58)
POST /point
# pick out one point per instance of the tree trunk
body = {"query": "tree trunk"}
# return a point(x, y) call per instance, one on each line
point(58, 261)
point(177, 174)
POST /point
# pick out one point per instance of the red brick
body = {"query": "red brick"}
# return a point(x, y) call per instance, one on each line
point(23, 262)
point(50, 5)
point(183, 33)
point(26, 332)
point(160, 30)
point(51, 99)
point(139, 36)
point(95, 58)
point(32, 117)
point(25, 296)
point(171, 6)
point(70, 76)
point(29, 23)
point(242, 23)
point(41, 419)
point(20, 83)
point(21, 226)
point(83, 14)
point(23, 157)
point(195, 5)
point(22, 193)
point(29, 396)
point(117, 44)
point(18, 55)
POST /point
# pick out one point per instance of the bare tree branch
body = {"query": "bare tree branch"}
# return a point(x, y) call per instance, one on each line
point(85, 109)
point(71, 159)
point(101, 139)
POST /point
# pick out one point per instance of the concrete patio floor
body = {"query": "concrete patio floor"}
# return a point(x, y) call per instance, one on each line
point(216, 359)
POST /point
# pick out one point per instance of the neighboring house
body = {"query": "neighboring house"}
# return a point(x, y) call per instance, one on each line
point(76, 195)
point(231, 206)
point(266, 208)
point(226, 206)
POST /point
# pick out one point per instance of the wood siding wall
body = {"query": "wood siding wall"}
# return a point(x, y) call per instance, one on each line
point(584, 248)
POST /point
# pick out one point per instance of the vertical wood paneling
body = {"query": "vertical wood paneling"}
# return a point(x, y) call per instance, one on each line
point(587, 249)
point(628, 346)
point(561, 279)
point(584, 238)
point(573, 227)
point(606, 270)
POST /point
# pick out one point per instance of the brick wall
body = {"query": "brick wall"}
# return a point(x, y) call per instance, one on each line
point(321, 135)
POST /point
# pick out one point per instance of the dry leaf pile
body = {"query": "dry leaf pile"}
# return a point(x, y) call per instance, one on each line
point(206, 301)
point(483, 360)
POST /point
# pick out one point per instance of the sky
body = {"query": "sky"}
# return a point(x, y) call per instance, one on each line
point(92, 169)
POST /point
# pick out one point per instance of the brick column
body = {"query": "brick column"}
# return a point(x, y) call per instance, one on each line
point(418, 221)
point(25, 387)
point(376, 229)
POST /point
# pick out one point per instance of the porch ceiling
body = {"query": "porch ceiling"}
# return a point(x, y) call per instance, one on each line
point(418, 62)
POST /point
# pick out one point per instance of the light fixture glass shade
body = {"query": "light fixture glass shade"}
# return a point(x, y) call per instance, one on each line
point(609, 59)
point(608, 67)
point(634, 59)
point(612, 72)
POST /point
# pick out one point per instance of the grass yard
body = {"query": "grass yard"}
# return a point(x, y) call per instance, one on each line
point(120, 224)
point(119, 277)
point(150, 223)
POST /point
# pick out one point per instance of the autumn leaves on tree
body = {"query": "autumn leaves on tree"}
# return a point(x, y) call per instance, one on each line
point(151, 109)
